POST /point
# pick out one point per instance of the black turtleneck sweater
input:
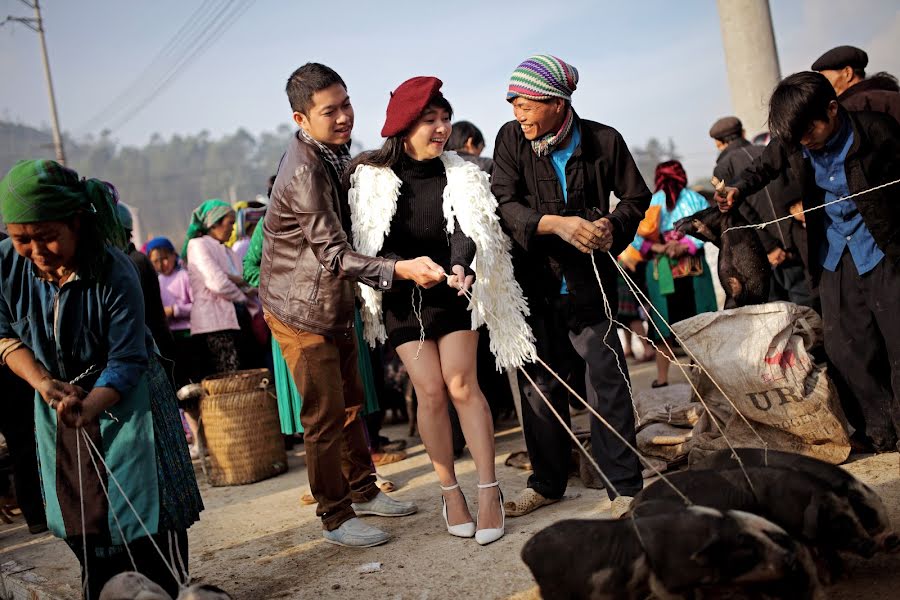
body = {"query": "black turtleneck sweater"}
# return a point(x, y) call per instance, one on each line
point(419, 227)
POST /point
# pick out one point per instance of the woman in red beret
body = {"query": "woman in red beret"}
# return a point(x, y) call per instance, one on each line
point(409, 198)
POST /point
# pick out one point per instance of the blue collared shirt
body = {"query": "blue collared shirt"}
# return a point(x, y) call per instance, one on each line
point(844, 226)
point(560, 158)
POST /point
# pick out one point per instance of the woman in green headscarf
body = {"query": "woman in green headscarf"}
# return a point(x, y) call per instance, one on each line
point(72, 326)
point(216, 286)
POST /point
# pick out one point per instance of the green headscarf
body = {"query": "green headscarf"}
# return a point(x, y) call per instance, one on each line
point(205, 216)
point(35, 191)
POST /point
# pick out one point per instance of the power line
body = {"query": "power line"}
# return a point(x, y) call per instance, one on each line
point(201, 36)
point(141, 79)
point(207, 40)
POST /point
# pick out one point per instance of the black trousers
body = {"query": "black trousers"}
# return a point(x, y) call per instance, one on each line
point(106, 562)
point(789, 283)
point(549, 445)
point(17, 426)
point(862, 340)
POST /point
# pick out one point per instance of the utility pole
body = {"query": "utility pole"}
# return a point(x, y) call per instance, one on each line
point(751, 59)
point(37, 24)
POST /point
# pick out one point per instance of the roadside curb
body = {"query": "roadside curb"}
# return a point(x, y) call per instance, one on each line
point(19, 582)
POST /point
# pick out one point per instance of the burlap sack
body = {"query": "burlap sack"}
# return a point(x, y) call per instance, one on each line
point(761, 357)
point(664, 441)
point(672, 404)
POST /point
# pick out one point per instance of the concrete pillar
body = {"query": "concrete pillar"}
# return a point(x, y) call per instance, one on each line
point(751, 59)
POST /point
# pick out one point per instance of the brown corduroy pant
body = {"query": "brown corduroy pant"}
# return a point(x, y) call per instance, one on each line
point(338, 463)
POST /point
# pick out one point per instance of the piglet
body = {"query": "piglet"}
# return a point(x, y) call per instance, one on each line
point(800, 503)
point(865, 502)
point(672, 552)
point(744, 269)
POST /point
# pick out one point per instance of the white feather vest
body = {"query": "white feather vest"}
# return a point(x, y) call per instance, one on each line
point(497, 298)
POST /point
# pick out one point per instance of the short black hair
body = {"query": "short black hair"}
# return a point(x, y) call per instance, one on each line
point(462, 132)
point(797, 101)
point(306, 81)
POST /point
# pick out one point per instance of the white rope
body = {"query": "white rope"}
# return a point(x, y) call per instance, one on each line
point(417, 310)
point(84, 548)
point(568, 429)
point(599, 417)
point(640, 294)
point(609, 319)
point(133, 509)
point(112, 510)
point(687, 350)
point(808, 210)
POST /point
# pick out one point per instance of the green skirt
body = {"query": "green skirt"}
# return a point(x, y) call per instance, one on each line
point(289, 399)
point(704, 299)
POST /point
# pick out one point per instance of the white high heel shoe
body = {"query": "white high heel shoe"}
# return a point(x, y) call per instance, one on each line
point(463, 530)
point(486, 536)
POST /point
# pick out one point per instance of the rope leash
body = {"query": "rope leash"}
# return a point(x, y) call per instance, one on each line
point(91, 446)
point(640, 294)
point(809, 210)
point(84, 548)
point(417, 310)
point(593, 411)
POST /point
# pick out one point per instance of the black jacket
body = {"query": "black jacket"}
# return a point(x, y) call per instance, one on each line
point(873, 159)
point(878, 93)
point(767, 205)
point(526, 188)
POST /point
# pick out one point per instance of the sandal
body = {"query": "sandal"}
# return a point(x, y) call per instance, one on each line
point(518, 460)
point(657, 385)
point(385, 458)
point(385, 485)
point(527, 501)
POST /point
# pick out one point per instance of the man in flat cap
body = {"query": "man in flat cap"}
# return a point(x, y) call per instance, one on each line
point(782, 241)
point(845, 69)
point(553, 175)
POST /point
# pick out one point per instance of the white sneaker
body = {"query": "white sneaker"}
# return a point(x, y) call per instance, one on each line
point(486, 536)
point(383, 505)
point(354, 533)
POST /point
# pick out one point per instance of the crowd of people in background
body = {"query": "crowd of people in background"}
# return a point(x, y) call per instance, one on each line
point(458, 265)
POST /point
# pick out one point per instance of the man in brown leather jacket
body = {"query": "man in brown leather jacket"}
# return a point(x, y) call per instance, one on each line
point(306, 286)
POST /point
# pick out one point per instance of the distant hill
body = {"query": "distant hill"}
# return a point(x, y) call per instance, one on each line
point(166, 179)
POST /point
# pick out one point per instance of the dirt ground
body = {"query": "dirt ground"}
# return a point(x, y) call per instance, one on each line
point(258, 541)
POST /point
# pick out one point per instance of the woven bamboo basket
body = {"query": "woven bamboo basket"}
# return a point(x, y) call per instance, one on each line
point(243, 437)
point(239, 381)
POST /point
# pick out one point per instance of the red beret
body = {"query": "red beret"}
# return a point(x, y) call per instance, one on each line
point(407, 102)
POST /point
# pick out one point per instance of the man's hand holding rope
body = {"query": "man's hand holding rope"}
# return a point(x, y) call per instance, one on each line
point(585, 235)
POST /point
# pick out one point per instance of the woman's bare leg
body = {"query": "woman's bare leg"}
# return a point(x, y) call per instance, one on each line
point(433, 419)
point(458, 352)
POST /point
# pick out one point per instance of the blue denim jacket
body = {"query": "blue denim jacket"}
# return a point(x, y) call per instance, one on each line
point(99, 324)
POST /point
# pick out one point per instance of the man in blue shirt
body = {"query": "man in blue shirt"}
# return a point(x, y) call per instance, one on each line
point(553, 176)
point(854, 246)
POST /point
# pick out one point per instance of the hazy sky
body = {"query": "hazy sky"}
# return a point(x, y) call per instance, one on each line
point(648, 67)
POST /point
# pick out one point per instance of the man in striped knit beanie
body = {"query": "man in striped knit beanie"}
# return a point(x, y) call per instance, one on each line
point(553, 175)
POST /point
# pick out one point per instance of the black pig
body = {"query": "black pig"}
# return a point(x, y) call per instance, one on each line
point(867, 505)
point(800, 503)
point(744, 269)
point(673, 552)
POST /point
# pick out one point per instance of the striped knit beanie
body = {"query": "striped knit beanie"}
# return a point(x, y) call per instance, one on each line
point(541, 77)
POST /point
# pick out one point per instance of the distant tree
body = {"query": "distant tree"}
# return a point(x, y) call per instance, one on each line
point(167, 178)
point(651, 155)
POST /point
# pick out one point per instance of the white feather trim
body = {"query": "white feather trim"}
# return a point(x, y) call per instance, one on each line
point(497, 296)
